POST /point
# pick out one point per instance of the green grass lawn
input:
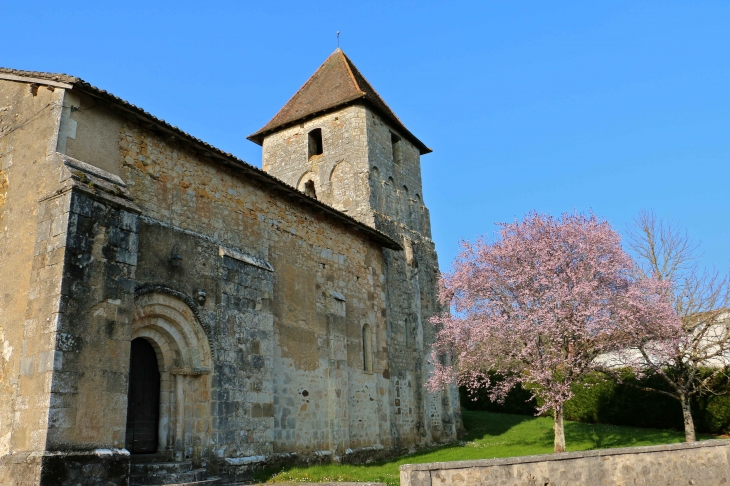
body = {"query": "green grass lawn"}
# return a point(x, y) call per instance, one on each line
point(489, 435)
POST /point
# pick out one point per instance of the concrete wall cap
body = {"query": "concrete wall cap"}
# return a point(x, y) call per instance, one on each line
point(563, 456)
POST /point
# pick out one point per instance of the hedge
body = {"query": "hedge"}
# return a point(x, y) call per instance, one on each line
point(597, 400)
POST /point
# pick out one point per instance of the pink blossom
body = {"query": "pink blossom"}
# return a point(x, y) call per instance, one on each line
point(540, 303)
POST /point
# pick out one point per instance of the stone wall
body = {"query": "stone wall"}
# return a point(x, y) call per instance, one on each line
point(95, 467)
point(340, 174)
point(69, 400)
point(287, 292)
point(373, 173)
point(697, 463)
point(398, 210)
point(282, 331)
point(395, 177)
point(28, 127)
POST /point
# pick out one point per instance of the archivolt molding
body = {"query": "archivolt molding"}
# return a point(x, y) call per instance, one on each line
point(171, 321)
point(162, 289)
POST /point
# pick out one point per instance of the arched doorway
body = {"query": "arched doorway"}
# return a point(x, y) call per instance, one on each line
point(143, 399)
point(184, 359)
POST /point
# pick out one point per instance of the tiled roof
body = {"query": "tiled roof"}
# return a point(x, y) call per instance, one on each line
point(149, 121)
point(335, 84)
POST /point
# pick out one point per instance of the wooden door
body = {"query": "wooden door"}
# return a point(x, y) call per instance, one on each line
point(143, 400)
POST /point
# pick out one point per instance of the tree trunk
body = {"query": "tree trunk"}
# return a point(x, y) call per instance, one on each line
point(689, 425)
point(559, 431)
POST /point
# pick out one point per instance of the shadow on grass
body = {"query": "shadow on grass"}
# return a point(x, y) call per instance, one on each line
point(489, 435)
point(480, 425)
point(604, 436)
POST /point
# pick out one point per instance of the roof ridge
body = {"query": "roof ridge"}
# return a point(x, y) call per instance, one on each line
point(58, 77)
point(351, 66)
point(309, 79)
point(346, 60)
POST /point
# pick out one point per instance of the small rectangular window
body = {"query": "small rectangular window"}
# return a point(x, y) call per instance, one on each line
point(315, 142)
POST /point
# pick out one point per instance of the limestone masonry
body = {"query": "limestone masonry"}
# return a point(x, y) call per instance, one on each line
point(169, 313)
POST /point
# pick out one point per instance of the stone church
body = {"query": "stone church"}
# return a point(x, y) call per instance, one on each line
point(172, 314)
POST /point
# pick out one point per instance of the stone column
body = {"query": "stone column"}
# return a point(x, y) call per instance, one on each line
point(179, 419)
point(164, 420)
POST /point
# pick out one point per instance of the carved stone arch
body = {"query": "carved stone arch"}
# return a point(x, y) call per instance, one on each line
point(188, 311)
point(174, 331)
point(306, 184)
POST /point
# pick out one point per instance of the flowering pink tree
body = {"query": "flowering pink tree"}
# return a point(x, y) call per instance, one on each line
point(539, 305)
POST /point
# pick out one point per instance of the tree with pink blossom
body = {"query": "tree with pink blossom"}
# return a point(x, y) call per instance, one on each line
point(539, 305)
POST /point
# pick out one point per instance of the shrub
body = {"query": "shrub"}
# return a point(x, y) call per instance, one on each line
point(598, 400)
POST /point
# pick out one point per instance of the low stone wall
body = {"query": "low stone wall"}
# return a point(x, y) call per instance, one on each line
point(100, 467)
point(694, 463)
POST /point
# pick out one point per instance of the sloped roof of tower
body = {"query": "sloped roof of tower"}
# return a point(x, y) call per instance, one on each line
point(335, 84)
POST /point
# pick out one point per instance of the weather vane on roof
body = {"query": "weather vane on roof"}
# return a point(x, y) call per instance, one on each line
point(338, 39)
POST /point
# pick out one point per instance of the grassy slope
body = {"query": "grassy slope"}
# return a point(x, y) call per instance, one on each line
point(489, 435)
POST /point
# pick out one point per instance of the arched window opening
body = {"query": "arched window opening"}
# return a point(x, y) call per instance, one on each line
point(376, 188)
point(345, 188)
point(309, 189)
point(407, 331)
point(396, 147)
point(315, 142)
point(390, 194)
point(367, 348)
point(416, 212)
point(407, 213)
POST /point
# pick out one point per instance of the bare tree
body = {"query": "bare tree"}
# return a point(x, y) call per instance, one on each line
point(700, 298)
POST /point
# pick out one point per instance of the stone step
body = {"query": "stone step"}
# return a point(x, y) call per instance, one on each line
point(147, 458)
point(205, 482)
point(168, 474)
point(157, 468)
point(162, 479)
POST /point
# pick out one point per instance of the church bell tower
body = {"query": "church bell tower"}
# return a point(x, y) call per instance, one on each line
point(336, 140)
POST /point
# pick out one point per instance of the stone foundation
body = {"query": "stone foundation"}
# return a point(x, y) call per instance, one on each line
point(87, 468)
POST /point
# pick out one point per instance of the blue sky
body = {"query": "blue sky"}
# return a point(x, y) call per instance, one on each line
point(606, 106)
